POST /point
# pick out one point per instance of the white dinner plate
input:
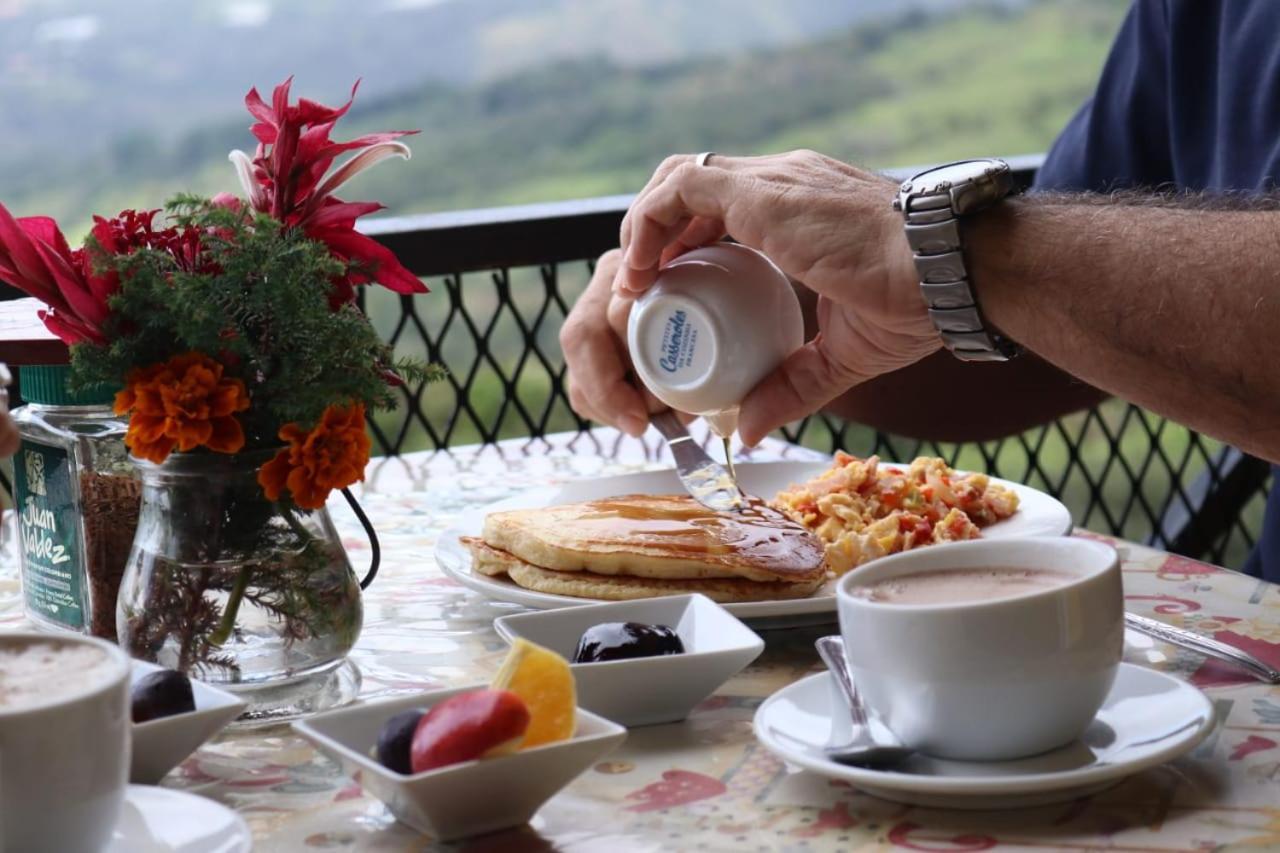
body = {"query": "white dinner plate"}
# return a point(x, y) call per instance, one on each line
point(162, 820)
point(1147, 719)
point(1038, 515)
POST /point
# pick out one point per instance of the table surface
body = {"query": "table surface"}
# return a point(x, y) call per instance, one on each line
point(705, 784)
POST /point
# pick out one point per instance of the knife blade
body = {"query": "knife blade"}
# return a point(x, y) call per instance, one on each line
point(706, 480)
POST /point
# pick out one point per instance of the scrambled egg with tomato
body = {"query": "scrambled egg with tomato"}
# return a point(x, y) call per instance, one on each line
point(863, 510)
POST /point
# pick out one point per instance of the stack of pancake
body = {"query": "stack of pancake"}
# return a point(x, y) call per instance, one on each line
point(639, 546)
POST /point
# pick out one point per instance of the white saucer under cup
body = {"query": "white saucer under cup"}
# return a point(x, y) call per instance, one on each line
point(163, 820)
point(1148, 718)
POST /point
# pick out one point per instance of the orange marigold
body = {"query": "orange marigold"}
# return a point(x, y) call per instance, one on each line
point(182, 403)
point(332, 455)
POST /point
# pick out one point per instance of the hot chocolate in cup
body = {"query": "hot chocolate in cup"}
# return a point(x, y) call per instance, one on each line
point(986, 650)
point(64, 741)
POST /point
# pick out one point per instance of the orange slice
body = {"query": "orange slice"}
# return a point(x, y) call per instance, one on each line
point(544, 681)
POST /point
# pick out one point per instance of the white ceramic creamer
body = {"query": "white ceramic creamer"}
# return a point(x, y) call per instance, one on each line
point(716, 322)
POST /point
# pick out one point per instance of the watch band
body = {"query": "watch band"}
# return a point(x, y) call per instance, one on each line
point(933, 232)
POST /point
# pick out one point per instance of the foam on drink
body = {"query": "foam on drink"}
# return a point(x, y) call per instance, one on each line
point(38, 672)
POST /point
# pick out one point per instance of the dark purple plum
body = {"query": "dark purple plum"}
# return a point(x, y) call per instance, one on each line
point(163, 693)
point(395, 739)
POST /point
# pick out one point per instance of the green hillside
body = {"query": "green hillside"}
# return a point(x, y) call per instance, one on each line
point(907, 90)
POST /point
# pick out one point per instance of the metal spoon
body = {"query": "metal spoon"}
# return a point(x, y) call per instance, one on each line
point(863, 749)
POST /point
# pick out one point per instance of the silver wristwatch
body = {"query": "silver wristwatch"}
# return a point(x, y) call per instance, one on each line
point(931, 204)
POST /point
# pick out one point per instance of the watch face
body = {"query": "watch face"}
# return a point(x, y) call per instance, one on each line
point(952, 174)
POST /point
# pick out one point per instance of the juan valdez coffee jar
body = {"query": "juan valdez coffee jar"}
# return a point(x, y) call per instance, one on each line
point(77, 496)
point(717, 321)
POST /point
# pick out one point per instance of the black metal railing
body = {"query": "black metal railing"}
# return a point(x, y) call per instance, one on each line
point(504, 279)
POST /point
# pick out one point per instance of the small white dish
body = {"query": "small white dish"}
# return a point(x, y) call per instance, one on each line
point(162, 820)
point(460, 800)
point(1148, 719)
point(1038, 514)
point(161, 745)
point(645, 691)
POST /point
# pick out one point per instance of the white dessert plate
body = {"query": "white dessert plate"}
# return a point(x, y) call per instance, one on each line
point(1038, 515)
point(465, 799)
point(1148, 718)
point(716, 647)
point(160, 745)
point(162, 820)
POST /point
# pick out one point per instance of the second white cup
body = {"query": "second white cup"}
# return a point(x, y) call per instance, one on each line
point(64, 756)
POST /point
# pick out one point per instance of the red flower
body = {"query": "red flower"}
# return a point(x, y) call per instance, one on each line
point(35, 258)
point(288, 177)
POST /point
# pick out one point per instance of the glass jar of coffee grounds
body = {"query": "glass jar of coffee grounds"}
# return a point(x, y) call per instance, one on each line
point(77, 496)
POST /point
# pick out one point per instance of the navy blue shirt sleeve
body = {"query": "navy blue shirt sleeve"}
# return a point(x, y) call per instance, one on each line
point(1120, 137)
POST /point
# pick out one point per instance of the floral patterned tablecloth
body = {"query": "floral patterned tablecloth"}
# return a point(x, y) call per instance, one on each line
point(705, 784)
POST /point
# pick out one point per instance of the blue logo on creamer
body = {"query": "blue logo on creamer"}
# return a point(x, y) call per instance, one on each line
point(672, 338)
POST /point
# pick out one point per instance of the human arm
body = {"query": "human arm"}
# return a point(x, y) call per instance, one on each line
point(1172, 308)
point(1171, 303)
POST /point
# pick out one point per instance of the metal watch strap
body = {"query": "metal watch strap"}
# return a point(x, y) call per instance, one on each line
point(933, 232)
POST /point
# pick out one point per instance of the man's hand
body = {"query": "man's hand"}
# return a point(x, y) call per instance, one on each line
point(593, 339)
point(823, 222)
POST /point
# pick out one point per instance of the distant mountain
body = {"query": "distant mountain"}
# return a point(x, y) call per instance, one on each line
point(76, 72)
point(897, 89)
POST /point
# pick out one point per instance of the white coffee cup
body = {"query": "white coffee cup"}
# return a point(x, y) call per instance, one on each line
point(714, 324)
point(64, 762)
point(991, 679)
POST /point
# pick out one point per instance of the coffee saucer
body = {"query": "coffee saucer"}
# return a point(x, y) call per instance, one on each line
point(1148, 718)
point(162, 820)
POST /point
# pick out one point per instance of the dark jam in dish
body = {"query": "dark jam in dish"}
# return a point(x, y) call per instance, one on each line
point(164, 693)
point(626, 640)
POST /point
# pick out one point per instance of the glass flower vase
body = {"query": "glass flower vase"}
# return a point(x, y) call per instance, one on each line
point(239, 591)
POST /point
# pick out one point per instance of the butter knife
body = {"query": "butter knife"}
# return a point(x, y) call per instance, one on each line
point(1204, 645)
point(706, 480)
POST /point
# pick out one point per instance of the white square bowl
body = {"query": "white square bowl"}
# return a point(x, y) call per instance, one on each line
point(161, 745)
point(465, 799)
point(651, 690)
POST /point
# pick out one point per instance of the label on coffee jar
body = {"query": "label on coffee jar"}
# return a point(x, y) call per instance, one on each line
point(49, 534)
